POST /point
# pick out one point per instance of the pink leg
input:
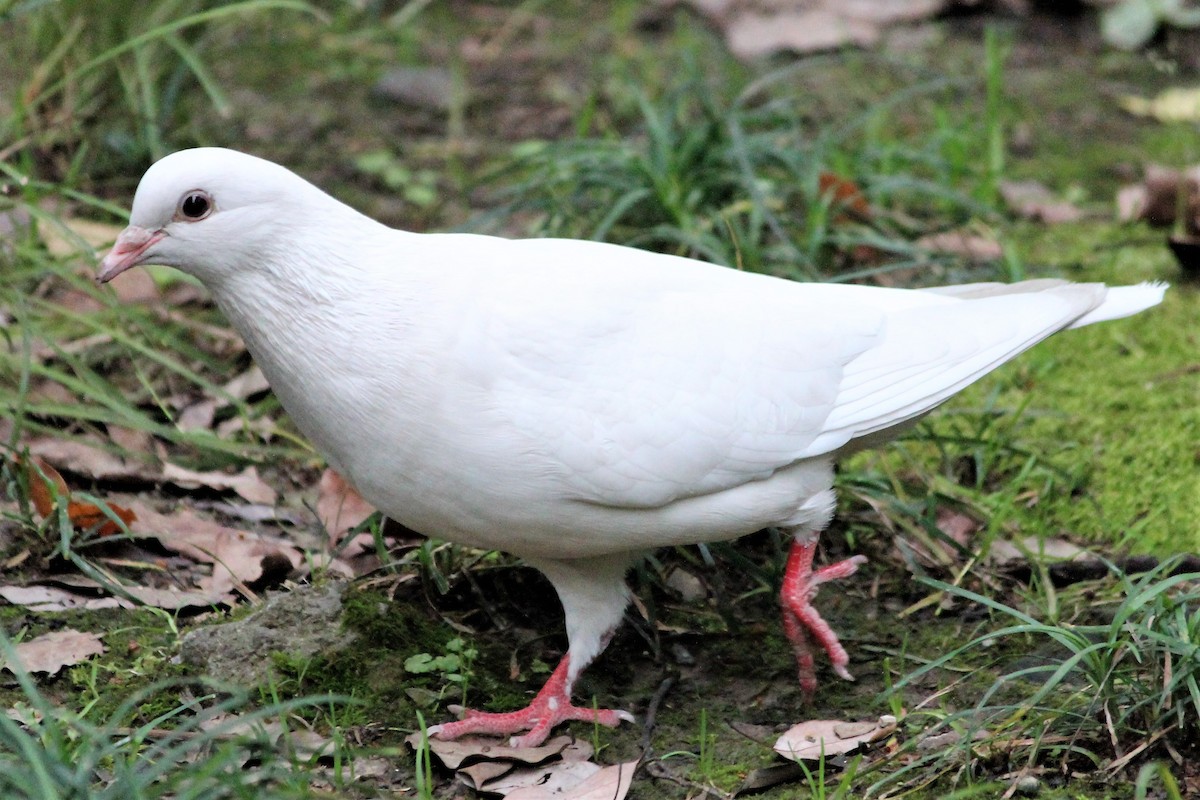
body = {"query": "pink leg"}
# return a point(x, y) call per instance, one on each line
point(799, 588)
point(551, 706)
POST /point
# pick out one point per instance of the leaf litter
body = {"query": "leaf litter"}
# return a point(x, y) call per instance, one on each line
point(560, 769)
point(52, 651)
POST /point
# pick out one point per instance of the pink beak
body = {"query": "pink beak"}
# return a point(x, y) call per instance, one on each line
point(128, 251)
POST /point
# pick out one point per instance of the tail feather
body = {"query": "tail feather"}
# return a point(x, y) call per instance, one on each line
point(1124, 301)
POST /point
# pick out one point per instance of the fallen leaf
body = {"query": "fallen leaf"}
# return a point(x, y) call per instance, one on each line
point(246, 483)
point(249, 383)
point(754, 35)
point(237, 557)
point(198, 416)
point(610, 783)
point(962, 243)
point(454, 754)
point(82, 458)
point(339, 506)
point(476, 775)
point(1032, 200)
point(844, 195)
point(38, 597)
point(51, 598)
point(47, 488)
point(1004, 553)
point(556, 778)
point(956, 525)
point(812, 740)
point(50, 652)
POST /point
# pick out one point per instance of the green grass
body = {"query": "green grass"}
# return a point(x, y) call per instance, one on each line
point(195, 748)
point(112, 72)
point(738, 180)
point(1099, 694)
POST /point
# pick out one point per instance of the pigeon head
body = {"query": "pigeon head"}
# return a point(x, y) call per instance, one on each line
point(210, 212)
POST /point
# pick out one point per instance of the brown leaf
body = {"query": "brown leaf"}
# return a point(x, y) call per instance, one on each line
point(476, 775)
point(844, 195)
point(339, 506)
point(45, 484)
point(470, 749)
point(753, 35)
point(1032, 200)
point(962, 243)
point(51, 598)
point(956, 525)
point(86, 459)
point(238, 557)
point(250, 382)
point(810, 741)
point(246, 483)
point(40, 597)
point(51, 652)
point(609, 783)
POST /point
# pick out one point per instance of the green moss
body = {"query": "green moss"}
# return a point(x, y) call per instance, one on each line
point(138, 645)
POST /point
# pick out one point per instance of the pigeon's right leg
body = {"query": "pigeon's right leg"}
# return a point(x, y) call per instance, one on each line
point(594, 596)
point(800, 619)
point(551, 707)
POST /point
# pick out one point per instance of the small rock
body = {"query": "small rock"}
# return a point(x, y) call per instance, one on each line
point(689, 587)
point(302, 622)
point(1027, 786)
point(422, 87)
point(683, 656)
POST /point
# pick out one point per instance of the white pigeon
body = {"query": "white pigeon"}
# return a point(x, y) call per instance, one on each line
point(572, 402)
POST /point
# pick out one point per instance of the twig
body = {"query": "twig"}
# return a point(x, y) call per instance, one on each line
point(652, 712)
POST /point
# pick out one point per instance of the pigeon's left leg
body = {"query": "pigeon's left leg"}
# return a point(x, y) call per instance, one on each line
point(551, 707)
point(800, 584)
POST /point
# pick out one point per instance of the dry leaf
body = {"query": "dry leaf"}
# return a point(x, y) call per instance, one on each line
point(85, 459)
point(961, 243)
point(1003, 553)
point(46, 485)
point(477, 748)
point(610, 783)
point(198, 416)
point(555, 778)
point(957, 526)
point(249, 383)
point(339, 506)
point(753, 35)
point(476, 775)
point(51, 652)
point(1032, 200)
point(53, 598)
point(812, 740)
point(238, 557)
point(844, 195)
point(246, 483)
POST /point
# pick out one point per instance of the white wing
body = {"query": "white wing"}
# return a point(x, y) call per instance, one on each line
point(633, 380)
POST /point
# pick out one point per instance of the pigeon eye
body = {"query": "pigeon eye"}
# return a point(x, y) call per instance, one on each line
point(195, 206)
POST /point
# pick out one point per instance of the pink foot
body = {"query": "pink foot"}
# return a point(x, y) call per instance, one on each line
point(551, 706)
point(800, 584)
